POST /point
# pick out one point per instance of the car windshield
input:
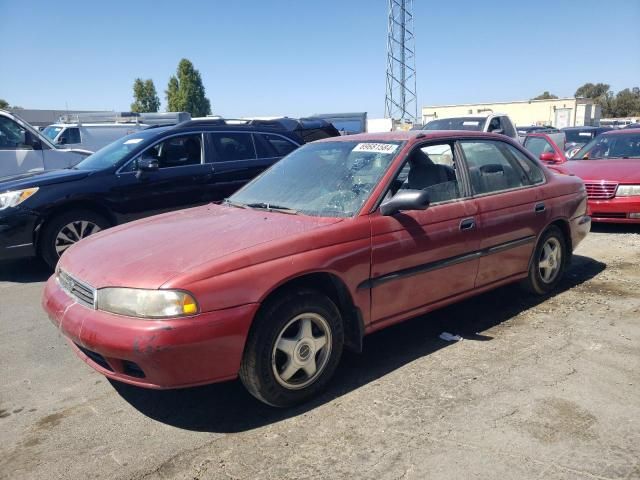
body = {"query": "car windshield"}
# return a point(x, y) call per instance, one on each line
point(579, 136)
point(326, 179)
point(611, 146)
point(51, 132)
point(461, 123)
point(112, 154)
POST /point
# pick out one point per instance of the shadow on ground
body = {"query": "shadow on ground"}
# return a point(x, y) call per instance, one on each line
point(24, 270)
point(227, 407)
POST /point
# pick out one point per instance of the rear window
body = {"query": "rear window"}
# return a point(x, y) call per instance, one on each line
point(579, 136)
point(462, 123)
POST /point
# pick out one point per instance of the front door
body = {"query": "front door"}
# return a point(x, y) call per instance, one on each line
point(16, 156)
point(421, 257)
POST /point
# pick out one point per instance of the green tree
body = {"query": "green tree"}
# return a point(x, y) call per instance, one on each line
point(545, 96)
point(145, 98)
point(627, 102)
point(4, 104)
point(601, 94)
point(185, 91)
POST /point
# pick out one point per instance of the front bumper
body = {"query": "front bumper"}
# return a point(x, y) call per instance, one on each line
point(182, 352)
point(615, 210)
point(17, 227)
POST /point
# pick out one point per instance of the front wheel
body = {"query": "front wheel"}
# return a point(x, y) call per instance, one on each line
point(293, 349)
point(548, 262)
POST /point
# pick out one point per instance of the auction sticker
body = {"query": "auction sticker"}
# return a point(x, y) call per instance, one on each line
point(133, 140)
point(376, 147)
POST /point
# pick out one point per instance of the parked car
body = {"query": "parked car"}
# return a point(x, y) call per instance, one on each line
point(341, 238)
point(610, 168)
point(24, 149)
point(536, 129)
point(148, 172)
point(489, 122)
point(578, 137)
point(547, 147)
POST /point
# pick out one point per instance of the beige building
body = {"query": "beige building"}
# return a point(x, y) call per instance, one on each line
point(559, 112)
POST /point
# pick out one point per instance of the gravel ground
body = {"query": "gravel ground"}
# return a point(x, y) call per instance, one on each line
point(538, 388)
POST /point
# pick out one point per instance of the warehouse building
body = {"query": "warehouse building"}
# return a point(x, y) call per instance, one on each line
point(559, 112)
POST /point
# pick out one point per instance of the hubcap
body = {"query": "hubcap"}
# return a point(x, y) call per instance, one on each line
point(550, 260)
point(74, 232)
point(301, 351)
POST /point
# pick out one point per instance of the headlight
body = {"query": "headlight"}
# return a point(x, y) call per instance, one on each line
point(628, 190)
point(134, 302)
point(15, 197)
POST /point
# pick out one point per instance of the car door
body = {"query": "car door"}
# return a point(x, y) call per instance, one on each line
point(179, 182)
point(511, 211)
point(421, 257)
point(17, 154)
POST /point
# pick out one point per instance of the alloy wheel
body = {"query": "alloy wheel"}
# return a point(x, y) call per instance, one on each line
point(74, 232)
point(550, 260)
point(301, 351)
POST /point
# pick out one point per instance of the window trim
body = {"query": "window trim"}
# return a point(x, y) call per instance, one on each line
point(181, 134)
point(297, 145)
point(506, 190)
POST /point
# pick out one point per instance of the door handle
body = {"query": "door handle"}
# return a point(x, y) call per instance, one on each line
point(539, 208)
point(467, 224)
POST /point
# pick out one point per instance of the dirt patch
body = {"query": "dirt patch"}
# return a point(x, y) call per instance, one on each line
point(557, 419)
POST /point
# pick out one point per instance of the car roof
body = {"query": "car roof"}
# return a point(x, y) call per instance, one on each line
point(401, 135)
point(584, 127)
point(622, 131)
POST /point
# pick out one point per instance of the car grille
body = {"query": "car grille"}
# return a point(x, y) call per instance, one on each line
point(601, 190)
point(82, 292)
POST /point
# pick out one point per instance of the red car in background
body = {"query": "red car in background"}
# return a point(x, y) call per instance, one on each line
point(337, 240)
point(547, 147)
point(610, 168)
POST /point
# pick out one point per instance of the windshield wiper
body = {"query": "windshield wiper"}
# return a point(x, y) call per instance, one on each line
point(272, 208)
point(226, 201)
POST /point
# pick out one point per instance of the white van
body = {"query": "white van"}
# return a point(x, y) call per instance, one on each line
point(24, 149)
point(92, 131)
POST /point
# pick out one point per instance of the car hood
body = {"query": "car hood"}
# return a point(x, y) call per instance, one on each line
point(41, 178)
point(621, 170)
point(150, 252)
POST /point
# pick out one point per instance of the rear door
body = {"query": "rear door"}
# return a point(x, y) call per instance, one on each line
point(16, 156)
point(511, 211)
point(421, 257)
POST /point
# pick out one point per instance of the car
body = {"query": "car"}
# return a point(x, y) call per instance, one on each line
point(547, 147)
point(610, 168)
point(536, 129)
point(342, 237)
point(24, 149)
point(633, 125)
point(578, 137)
point(482, 122)
point(146, 173)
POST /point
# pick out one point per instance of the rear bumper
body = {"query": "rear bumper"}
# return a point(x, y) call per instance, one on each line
point(615, 210)
point(175, 353)
point(580, 227)
point(17, 233)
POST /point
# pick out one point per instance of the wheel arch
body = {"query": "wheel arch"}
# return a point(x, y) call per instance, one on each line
point(334, 288)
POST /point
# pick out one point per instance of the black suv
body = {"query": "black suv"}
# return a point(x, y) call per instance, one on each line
point(152, 171)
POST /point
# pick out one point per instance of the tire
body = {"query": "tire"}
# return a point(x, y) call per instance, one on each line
point(283, 376)
point(80, 223)
point(543, 279)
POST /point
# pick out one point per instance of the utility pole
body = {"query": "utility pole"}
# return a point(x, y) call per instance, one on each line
point(400, 101)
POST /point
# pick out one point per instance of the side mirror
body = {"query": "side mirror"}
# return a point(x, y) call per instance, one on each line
point(550, 157)
point(405, 200)
point(32, 141)
point(148, 164)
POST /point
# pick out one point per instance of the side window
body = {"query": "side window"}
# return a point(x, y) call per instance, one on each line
point(281, 145)
point(70, 136)
point(233, 146)
point(495, 124)
point(12, 135)
point(432, 168)
point(492, 167)
point(507, 128)
point(533, 171)
point(538, 145)
point(177, 151)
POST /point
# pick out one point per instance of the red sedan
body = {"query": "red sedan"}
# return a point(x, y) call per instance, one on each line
point(610, 168)
point(339, 239)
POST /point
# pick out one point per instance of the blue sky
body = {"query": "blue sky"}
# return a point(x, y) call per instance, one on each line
point(273, 57)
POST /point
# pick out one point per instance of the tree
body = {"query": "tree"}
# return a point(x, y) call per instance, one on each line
point(185, 91)
point(4, 104)
point(627, 102)
point(145, 98)
point(545, 96)
point(600, 93)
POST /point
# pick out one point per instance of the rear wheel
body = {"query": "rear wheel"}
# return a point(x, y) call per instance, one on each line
point(293, 348)
point(548, 263)
point(63, 230)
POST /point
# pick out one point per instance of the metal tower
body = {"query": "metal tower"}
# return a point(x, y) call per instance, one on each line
point(400, 101)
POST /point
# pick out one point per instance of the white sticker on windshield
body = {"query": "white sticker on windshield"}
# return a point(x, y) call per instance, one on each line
point(470, 123)
point(133, 140)
point(584, 134)
point(376, 147)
